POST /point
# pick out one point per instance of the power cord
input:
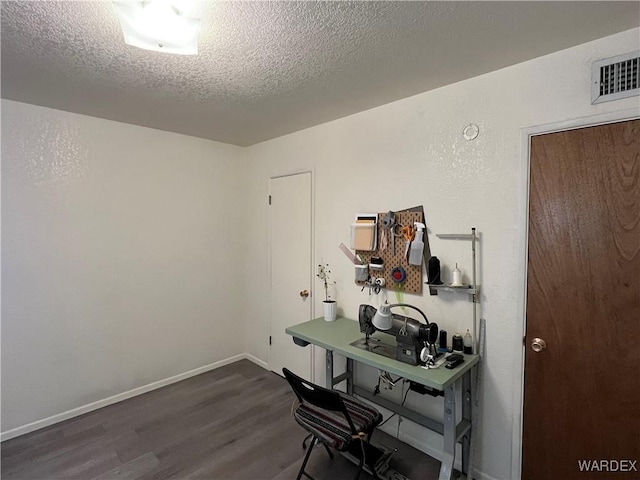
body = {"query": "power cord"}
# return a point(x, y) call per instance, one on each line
point(402, 405)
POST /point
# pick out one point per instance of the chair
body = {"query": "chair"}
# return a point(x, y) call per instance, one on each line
point(336, 420)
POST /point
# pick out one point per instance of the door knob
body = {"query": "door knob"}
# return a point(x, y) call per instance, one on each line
point(538, 345)
point(304, 293)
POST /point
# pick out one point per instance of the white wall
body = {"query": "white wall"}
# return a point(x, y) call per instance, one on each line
point(119, 258)
point(412, 152)
point(118, 270)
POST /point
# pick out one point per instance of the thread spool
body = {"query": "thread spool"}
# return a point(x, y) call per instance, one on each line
point(457, 276)
point(433, 271)
point(443, 339)
point(457, 343)
point(398, 274)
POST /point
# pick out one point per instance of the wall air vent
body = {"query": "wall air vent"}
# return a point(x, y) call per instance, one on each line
point(615, 78)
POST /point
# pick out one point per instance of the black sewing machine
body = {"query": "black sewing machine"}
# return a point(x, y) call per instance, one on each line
point(415, 341)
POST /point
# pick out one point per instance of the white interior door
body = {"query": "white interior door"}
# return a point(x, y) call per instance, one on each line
point(291, 271)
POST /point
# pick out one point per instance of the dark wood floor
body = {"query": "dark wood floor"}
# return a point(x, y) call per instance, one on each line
point(231, 423)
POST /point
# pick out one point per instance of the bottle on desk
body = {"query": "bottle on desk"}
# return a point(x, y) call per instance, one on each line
point(468, 342)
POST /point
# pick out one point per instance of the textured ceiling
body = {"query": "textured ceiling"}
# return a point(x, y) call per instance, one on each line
point(266, 69)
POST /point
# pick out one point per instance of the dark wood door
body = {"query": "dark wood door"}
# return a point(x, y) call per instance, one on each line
point(582, 392)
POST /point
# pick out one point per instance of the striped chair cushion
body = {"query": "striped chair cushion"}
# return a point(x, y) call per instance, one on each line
point(332, 428)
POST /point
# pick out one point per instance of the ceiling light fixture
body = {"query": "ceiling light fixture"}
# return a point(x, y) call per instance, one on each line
point(160, 25)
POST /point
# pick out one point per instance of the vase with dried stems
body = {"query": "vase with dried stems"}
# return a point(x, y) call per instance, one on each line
point(329, 305)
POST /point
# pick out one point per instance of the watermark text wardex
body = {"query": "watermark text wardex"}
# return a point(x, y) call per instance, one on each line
point(607, 465)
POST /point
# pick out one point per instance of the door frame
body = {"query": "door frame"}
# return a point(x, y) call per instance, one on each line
point(523, 250)
point(290, 173)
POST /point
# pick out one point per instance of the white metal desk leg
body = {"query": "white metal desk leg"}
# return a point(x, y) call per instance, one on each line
point(467, 414)
point(449, 450)
point(329, 370)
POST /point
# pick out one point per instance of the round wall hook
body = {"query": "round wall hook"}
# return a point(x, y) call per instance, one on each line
point(471, 132)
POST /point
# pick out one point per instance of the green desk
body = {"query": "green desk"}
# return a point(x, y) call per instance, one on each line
point(337, 336)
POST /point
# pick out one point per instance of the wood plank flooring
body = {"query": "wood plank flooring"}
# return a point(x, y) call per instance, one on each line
point(231, 423)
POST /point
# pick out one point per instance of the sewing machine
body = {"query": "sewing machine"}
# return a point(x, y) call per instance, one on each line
point(415, 341)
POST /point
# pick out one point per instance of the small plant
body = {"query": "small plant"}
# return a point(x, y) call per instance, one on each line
point(324, 274)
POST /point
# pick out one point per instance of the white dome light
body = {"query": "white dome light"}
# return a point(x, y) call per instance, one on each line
point(159, 25)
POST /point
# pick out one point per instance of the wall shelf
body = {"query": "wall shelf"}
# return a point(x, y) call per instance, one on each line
point(472, 290)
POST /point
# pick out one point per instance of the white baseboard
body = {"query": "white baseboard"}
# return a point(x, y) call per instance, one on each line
point(45, 422)
point(257, 361)
point(482, 476)
point(435, 452)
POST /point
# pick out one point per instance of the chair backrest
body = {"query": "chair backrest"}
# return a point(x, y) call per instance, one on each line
point(312, 393)
point(317, 395)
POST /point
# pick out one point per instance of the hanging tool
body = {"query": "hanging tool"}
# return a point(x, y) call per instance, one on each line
point(398, 275)
point(383, 240)
point(374, 285)
point(396, 231)
point(367, 283)
point(408, 233)
point(397, 288)
point(376, 263)
point(350, 255)
point(388, 222)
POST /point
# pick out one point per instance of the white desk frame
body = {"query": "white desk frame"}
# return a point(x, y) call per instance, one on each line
point(337, 336)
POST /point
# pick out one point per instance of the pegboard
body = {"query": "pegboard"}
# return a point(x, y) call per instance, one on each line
point(413, 282)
